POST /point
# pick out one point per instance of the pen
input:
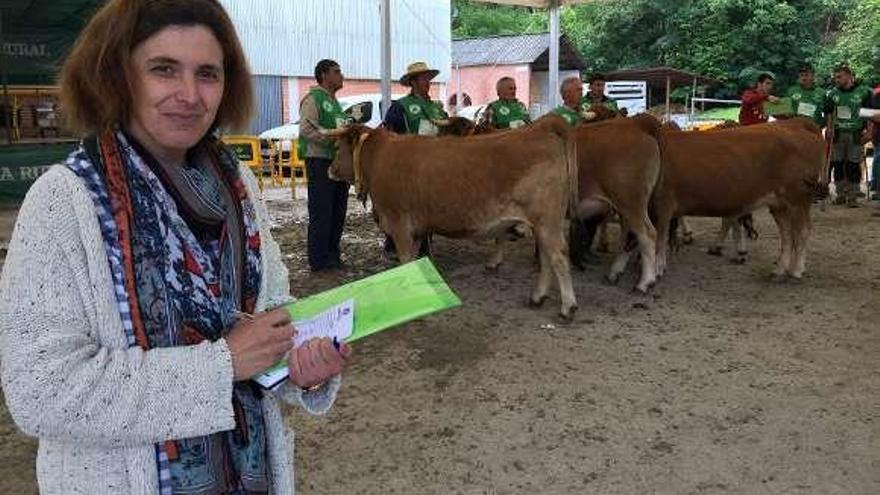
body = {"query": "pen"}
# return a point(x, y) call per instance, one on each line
point(241, 315)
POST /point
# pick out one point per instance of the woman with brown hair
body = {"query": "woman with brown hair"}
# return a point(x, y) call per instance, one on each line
point(136, 293)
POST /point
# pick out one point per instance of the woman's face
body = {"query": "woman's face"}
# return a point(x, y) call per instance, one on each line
point(178, 86)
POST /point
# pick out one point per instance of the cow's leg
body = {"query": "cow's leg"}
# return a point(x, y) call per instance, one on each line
point(783, 220)
point(662, 245)
point(717, 248)
point(497, 255)
point(739, 238)
point(646, 237)
point(687, 233)
point(801, 226)
point(623, 254)
point(551, 245)
point(545, 275)
point(403, 240)
point(604, 243)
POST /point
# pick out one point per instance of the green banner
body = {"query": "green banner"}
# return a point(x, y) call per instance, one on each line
point(21, 164)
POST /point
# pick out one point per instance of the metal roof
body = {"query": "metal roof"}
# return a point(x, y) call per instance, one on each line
point(516, 49)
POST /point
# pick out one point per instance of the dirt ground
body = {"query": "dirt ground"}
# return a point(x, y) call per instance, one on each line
point(721, 381)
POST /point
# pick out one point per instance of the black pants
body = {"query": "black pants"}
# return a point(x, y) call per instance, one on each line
point(328, 203)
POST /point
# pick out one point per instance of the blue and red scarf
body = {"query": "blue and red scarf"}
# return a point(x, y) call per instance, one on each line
point(183, 246)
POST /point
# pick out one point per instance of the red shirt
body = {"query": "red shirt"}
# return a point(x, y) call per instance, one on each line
point(752, 110)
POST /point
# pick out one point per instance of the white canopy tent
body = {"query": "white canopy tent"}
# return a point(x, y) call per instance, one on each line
point(552, 7)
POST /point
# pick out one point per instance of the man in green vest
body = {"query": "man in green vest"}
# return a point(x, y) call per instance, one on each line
point(506, 112)
point(596, 95)
point(572, 92)
point(842, 107)
point(415, 113)
point(328, 199)
point(807, 99)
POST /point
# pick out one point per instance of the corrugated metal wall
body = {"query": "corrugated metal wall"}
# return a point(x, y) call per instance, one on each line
point(287, 37)
point(268, 103)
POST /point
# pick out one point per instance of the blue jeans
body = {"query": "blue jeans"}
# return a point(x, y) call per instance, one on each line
point(328, 204)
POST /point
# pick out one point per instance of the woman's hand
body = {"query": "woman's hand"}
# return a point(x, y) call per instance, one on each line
point(259, 343)
point(316, 361)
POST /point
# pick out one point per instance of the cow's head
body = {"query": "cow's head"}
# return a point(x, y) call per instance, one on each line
point(346, 164)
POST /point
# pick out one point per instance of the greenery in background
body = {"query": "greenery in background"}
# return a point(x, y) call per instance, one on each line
point(730, 40)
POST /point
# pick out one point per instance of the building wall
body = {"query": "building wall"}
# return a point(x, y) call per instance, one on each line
point(287, 37)
point(269, 108)
point(539, 96)
point(479, 82)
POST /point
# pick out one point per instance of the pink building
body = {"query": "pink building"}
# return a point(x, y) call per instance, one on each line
point(478, 63)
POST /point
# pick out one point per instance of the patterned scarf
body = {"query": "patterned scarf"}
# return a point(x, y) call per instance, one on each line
point(182, 266)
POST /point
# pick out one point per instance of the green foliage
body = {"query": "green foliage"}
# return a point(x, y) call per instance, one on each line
point(857, 43)
point(729, 40)
point(472, 20)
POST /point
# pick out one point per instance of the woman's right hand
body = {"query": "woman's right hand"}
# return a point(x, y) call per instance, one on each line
point(259, 343)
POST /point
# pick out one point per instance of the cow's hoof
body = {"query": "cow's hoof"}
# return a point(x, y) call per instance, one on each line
point(687, 239)
point(491, 268)
point(714, 251)
point(740, 258)
point(612, 278)
point(537, 303)
point(641, 291)
point(567, 316)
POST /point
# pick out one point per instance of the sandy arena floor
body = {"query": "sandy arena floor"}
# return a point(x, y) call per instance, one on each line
point(721, 381)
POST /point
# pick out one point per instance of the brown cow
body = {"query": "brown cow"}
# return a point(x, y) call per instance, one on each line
point(618, 168)
point(470, 186)
point(734, 172)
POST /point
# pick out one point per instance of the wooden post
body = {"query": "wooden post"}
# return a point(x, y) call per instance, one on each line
point(668, 90)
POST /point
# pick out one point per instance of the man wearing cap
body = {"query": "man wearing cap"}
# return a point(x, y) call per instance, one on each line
point(415, 112)
point(506, 112)
point(596, 95)
point(572, 91)
point(328, 199)
point(807, 99)
point(843, 103)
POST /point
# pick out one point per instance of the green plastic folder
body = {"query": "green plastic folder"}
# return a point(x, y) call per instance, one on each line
point(783, 106)
point(385, 299)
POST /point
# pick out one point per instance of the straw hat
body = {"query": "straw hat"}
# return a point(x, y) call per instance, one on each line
point(415, 69)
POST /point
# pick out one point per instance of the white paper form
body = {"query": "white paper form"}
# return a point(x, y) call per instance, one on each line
point(336, 323)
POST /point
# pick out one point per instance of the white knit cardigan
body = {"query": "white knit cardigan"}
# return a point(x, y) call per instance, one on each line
point(96, 405)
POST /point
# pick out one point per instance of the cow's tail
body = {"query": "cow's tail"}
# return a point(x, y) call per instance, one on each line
point(568, 141)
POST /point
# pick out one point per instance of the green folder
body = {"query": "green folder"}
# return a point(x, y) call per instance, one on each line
point(781, 107)
point(385, 299)
point(381, 301)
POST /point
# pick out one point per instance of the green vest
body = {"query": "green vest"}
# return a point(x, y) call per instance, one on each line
point(330, 116)
point(419, 112)
point(570, 116)
point(505, 113)
point(847, 104)
point(608, 103)
point(808, 103)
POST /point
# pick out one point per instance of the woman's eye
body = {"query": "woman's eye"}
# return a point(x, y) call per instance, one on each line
point(209, 75)
point(165, 70)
